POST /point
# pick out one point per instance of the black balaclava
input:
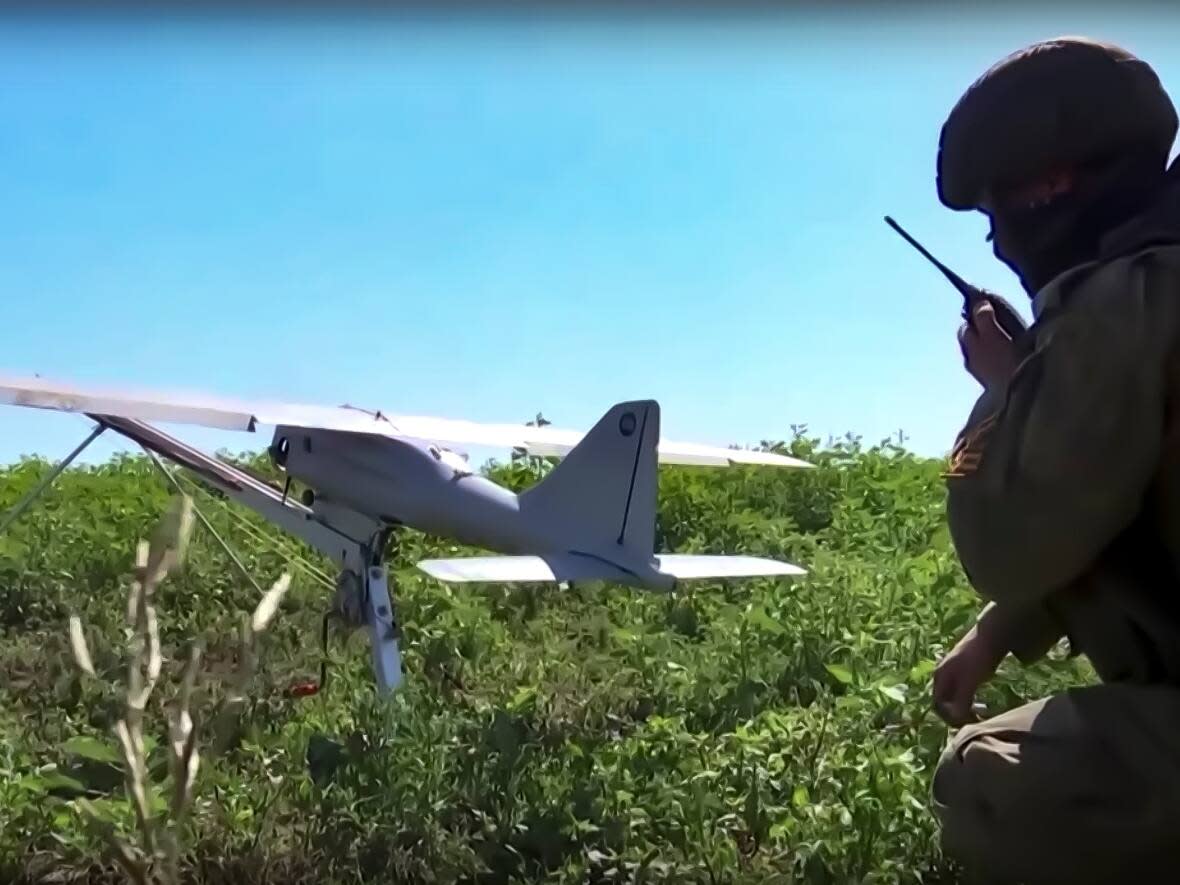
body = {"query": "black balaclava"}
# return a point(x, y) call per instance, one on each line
point(1040, 242)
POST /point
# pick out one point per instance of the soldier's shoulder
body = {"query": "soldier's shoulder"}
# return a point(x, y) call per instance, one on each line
point(1147, 278)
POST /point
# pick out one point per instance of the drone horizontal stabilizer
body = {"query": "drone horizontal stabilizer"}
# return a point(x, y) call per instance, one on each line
point(521, 569)
point(562, 568)
point(690, 567)
point(228, 414)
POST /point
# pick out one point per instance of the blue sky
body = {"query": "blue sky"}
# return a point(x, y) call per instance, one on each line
point(485, 219)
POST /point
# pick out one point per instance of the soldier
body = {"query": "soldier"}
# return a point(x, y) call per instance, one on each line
point(1064, 486)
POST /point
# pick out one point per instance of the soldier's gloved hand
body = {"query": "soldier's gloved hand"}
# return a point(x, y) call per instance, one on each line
point(971, 663)
point(988, 351)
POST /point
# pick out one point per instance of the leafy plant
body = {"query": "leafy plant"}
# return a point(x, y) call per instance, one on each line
point(764, 731)
point(160, 809)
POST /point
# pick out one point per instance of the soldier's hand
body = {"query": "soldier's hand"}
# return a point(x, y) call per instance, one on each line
point(958, 676)
point(988, 351)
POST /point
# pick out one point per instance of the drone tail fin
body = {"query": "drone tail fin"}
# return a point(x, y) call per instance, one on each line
point(602, 495)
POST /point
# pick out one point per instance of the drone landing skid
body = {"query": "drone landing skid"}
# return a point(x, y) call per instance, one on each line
point(380, 622)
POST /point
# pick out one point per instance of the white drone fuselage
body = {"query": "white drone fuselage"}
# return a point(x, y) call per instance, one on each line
point(593, 517)
point(431, 489)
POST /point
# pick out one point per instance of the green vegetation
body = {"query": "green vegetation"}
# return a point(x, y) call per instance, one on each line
point(760, 732)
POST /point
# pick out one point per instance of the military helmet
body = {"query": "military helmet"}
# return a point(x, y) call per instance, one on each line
point(1059, 102)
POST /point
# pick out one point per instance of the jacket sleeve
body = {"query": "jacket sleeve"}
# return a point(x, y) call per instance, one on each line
point(1059, 463)
point(1028, 632)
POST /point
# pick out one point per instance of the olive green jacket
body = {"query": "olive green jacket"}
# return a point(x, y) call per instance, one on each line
point(1064, 487)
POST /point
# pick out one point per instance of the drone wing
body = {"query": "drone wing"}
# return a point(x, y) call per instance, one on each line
point(182, 407)
point(227, 414)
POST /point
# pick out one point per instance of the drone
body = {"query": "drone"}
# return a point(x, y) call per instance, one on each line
point(367, 474)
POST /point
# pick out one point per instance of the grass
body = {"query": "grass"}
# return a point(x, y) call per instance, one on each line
point(768, 731)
